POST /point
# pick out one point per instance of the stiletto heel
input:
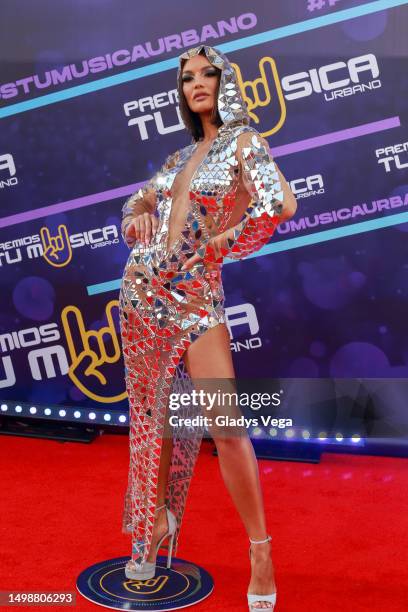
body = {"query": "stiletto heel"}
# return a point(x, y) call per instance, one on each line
point(169, 554)
point(252, 598)
point(147, 570)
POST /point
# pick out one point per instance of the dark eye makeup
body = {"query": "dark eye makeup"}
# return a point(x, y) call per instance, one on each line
point(188, 77)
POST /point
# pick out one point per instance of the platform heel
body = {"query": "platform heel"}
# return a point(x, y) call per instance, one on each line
point(147, 570)
point(252, 597)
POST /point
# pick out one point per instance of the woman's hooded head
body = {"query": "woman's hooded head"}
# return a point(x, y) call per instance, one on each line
point(230, 106)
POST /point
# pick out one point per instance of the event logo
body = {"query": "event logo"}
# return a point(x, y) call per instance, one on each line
point(243, 314)
point(154, 103)
point(39, 359)
point(390, 158)
point(336, 80)
point(308, 186)
point(7, 171)
point(258, 93)
point(267, 90)
point(56, 249)
point(93, 352)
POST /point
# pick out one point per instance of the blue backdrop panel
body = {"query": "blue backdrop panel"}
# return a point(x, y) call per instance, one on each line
point(88, 111)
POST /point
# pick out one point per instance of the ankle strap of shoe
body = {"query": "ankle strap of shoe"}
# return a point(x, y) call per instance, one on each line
point(267, 539)
point(160, 507)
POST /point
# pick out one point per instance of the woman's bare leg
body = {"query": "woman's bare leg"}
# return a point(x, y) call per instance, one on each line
point(209, 357)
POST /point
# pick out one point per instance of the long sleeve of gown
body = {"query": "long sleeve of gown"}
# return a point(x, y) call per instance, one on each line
point(262, 181)
point(143, 200)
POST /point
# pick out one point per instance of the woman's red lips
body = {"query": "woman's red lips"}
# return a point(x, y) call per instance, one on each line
point(199, 96)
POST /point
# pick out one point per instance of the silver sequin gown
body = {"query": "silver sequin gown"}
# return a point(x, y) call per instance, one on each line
point(235, 187)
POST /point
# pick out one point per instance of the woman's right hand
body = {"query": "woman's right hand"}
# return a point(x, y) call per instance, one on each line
point(142, 228)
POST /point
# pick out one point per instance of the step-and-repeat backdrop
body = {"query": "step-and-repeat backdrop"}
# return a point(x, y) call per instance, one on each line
point(89, 110)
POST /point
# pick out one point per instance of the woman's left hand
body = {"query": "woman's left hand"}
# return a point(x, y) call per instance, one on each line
point(190, 262)
point(215, 243)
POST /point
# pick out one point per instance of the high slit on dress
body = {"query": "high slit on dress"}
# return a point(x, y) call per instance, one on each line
point(164, 309)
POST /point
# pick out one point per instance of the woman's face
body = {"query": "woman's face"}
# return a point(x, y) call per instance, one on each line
point(200, 80)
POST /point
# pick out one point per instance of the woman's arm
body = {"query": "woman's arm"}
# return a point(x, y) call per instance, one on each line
point(272, 202)
point(143, 200)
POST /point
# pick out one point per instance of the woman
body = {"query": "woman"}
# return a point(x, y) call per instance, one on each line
point(220, 196)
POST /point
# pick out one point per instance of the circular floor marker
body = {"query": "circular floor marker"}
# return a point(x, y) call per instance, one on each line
point(184, 584)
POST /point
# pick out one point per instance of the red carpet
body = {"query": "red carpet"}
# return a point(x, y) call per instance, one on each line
point(340, 533)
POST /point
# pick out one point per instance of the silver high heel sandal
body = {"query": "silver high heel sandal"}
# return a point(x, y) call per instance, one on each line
point(252, 598)
point(147, 570)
